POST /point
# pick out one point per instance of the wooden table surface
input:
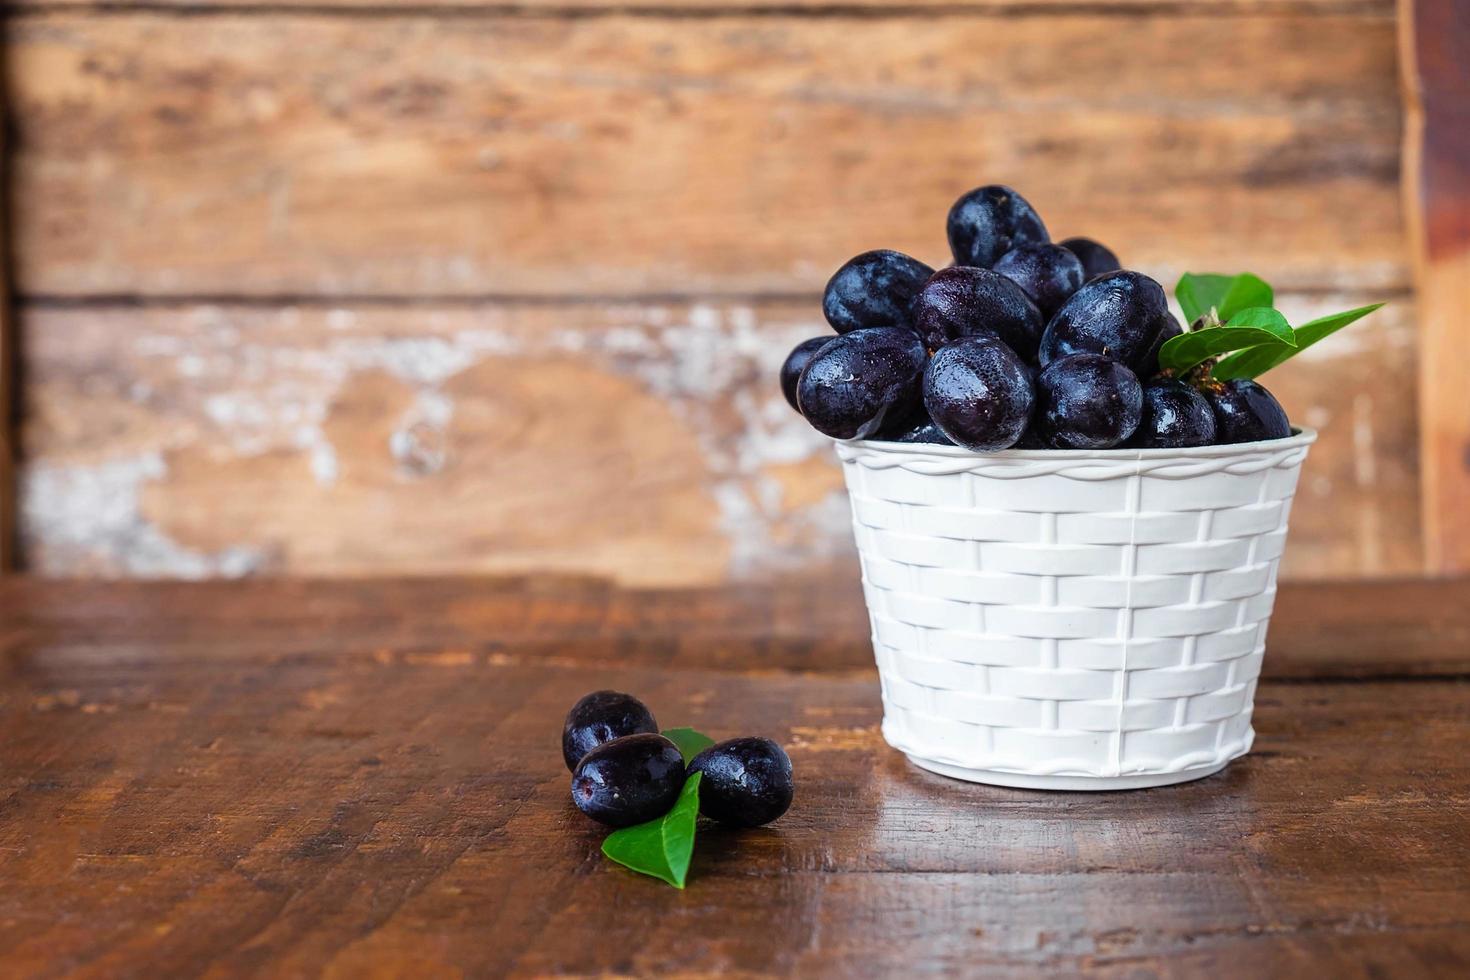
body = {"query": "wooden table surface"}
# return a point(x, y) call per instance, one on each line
point(364, 778)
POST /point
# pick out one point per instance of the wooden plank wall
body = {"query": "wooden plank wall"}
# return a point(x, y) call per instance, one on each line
point(1436, 45)
point(360, 289)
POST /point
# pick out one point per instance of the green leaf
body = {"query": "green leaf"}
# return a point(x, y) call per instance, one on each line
point(690, 742)
point(1246, 291)
point(1183, 352)
point(1264, 318)
point(1257, 361)
point(661, 848)
point(1198, 293)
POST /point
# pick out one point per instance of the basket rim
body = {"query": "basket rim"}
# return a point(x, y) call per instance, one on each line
point(1301, 436)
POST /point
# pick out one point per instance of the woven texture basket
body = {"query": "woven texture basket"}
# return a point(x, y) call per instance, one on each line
point(1070, 620)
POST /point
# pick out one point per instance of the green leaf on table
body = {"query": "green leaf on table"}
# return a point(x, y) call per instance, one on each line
point(1198, 293)
point(1248, 328)
point(1257, 361)
point(661, 848)
point(690, 742)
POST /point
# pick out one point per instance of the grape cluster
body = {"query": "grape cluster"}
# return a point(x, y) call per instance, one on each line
point(1021, 343)
point(624, 772)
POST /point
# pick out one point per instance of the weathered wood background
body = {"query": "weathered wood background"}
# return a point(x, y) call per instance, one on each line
point(359, 289)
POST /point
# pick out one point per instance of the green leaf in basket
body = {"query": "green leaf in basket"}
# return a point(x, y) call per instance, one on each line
point(690, 742)
point(1258, 360)
point(1247, 328)
point(1262, 318)
point(663, 847)
point(1198, 293)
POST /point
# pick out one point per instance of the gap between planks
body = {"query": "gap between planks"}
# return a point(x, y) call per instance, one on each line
point(1378, 9)
point(45, 301)
point(10, 379)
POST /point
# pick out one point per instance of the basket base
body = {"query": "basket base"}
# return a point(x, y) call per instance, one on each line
point(1018, 780)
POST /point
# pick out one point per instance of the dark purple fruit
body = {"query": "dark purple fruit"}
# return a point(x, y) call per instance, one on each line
point(911, 426)
point(964, 301)
point(1118, 315)
point(629, 780)
point(979, 393)
point(925, 431)
point(796, 361)
point(1096, 258)
point(988, 222)
point(1169, 328)
point(601, 717)
point(859, 379)
point(747, 781)
point(1048, 273)
point(1246, 412)
point(874, 289)
point(1030, 440)
point(1087, 401)
point(1174, 416)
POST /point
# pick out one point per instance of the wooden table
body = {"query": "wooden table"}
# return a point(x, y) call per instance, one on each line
point(364, 778)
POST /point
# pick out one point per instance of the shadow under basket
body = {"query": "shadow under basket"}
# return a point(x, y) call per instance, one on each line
point(1070, 620)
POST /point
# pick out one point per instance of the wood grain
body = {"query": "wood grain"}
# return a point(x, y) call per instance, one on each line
point(1437, 168)
point(627, 155)
point(645, 441)
point(725, 8)
point(1364, 630)
point(182, 797)
point(9, 379)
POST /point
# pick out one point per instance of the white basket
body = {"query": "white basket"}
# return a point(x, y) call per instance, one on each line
point(1070, 620)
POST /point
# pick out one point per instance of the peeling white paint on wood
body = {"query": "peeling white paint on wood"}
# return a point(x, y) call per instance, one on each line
point(89, 516)
point(242, 382)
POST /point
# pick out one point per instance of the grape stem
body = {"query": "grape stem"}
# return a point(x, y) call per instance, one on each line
point(1198, 377)
point(1210, 319)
